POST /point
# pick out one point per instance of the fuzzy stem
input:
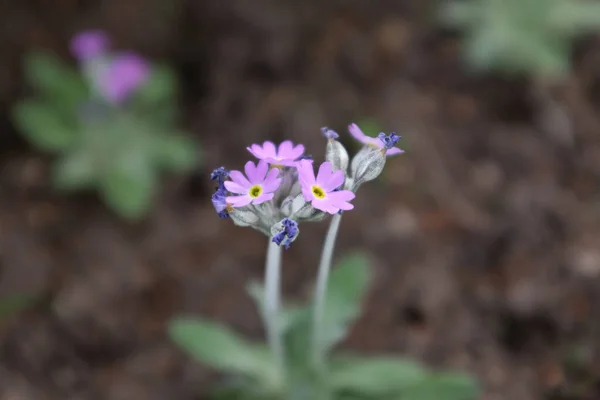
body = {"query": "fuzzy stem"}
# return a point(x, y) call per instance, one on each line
point(321, 288)
point(271, 306)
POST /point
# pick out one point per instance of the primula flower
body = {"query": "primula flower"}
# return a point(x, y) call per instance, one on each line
point(321, 191)
point(286, 154)
point(125, 73)
point(88, 45)
point(383, 142)
point(257, 188)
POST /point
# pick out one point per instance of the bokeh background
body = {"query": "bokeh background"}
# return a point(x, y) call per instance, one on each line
point(484, 236)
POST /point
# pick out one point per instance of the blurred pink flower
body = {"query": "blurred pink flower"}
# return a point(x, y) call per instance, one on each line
point(89, 44)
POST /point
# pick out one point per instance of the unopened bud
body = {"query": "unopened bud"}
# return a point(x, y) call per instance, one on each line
point(366, 165)
point(337, 155)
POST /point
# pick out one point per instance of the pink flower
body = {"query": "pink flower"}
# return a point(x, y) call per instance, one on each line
point(89, 44)
point(286, 154)
point(257, 188)
point(383, 142)
point(321, 191)
point(123, 76)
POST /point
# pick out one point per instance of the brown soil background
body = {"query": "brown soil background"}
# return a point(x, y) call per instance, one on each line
point(484, 236)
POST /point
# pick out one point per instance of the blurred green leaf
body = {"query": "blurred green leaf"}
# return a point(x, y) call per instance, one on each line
point(15, 303)
point(128, 187)
point(43, 126)
point(443, 386)
point(54, 80)
point(73, 171)
point(289, 315)
point(177, 153)
point(522, 36)
point(348, 283)
point(374, 376)
point(218, 347)
point(160, 88)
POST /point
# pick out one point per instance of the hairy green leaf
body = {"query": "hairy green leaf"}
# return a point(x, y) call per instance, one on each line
point(379, 376)
point(220, 348)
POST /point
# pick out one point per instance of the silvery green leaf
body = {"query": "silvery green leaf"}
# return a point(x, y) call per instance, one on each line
point(366, 165)
point(337, 155)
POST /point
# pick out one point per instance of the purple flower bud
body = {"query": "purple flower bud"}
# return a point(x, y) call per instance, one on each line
point(389, 141)
point(219, 174)
point(288, 234)
point(89, 44)
point(328, 133)
point(220, 203)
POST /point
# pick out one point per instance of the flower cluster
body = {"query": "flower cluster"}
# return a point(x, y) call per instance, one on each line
point(281, 189)
point(113, 76)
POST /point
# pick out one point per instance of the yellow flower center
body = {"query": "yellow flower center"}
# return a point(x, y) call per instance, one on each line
point(318, 192)
point(255, 191)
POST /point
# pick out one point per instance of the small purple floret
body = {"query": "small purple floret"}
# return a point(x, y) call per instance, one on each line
point(287, 235)
point(219, 174)
point(329, 134)
point(89, 44)
point(220, 203)
point(389, 141)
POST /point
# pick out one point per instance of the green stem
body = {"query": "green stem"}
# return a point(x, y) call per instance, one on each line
point(272, 300)
point(321, 289)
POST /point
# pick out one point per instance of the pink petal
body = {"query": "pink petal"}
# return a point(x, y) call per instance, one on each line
point(324, 173)
point(290, 162)
point(394, 151)
point(271, 182)
point(308, 195)
point(240, 179)
point(251, 172)
point(296, 152)
point(284, 149)
point(340, 199)
point(256, 151)
point(306, 174)
point(261, 170)
point(357, 133)
point(238, 201)
point(334, 181)
point(361, 137)
point(262, 198)
point(235, 187)
point(323, 205)
point(269, 149)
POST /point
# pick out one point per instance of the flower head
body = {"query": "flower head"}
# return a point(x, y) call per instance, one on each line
point(286, 154)
point(258, 187)
point(125, 73)
point(383, 142)
point(288, 233)
point(89, 44)
point(321, 191)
